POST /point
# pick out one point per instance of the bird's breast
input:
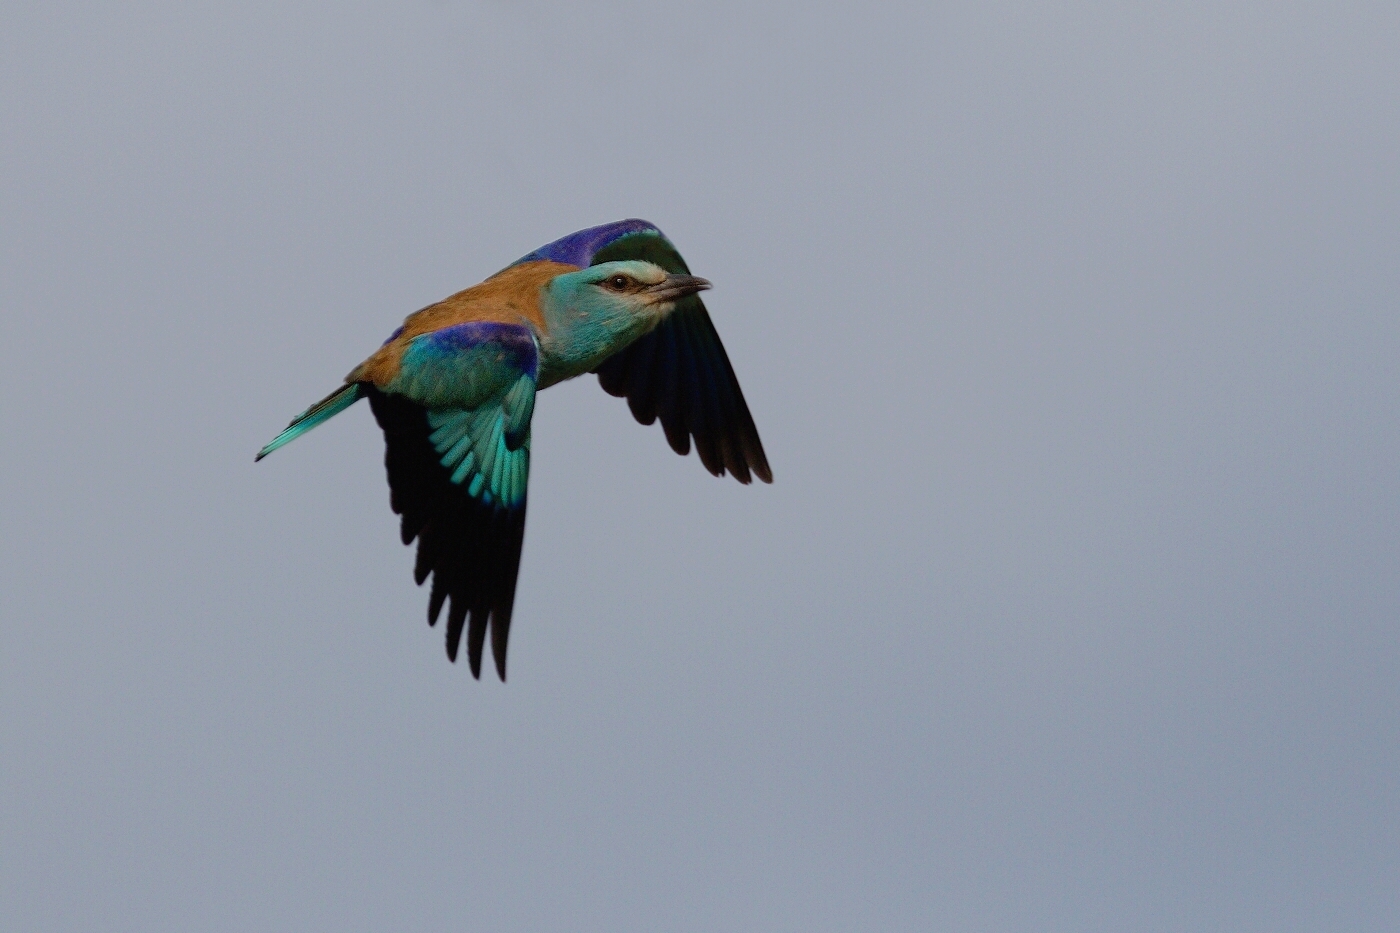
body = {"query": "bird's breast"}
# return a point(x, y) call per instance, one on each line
point(579, 345)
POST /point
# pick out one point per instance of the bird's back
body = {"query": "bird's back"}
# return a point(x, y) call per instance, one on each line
point(511, 296)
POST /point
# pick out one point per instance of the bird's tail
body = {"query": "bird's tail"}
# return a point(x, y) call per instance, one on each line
point(324, 410)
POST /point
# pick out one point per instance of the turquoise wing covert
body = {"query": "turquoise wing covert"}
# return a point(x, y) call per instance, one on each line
point(457, 452)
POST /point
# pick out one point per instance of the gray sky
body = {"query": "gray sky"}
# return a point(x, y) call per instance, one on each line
point(1071, 332)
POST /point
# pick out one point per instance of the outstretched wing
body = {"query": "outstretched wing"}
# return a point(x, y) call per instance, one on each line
point(456, 424)
point(680, 373)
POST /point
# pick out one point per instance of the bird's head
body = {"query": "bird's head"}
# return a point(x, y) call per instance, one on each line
point(632, 286)
point(596, 311)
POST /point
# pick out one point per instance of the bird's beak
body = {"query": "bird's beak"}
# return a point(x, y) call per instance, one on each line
point(677, 286)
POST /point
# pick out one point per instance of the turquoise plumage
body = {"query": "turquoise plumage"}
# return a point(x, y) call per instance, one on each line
point(454, 391)
point(322, 411)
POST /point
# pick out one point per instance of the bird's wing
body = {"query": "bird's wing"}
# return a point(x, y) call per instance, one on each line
point(680, 373)
point(456, 424)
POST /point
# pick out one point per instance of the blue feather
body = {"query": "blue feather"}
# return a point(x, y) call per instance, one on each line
point(464, 365)
point(578, 249)
point(322, 411)
point(476, 447)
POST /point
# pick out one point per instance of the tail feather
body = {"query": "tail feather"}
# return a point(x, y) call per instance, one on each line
point(324, 410)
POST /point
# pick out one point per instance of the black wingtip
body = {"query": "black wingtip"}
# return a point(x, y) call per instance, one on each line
point(758, 462)
point(500, 635)
point(680, 374)
point(471, 552)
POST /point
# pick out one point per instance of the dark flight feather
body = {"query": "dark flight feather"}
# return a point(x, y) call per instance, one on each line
point(681, 374)
point(471, 549)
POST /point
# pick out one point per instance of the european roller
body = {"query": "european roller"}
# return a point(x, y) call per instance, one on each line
point(454, 389)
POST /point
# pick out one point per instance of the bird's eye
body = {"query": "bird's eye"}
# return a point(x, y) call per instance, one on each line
point(619, 282)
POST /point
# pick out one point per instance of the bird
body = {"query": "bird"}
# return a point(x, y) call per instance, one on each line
point(453, 390)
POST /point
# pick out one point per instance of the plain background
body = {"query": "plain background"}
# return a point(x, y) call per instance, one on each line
point(1071, 331)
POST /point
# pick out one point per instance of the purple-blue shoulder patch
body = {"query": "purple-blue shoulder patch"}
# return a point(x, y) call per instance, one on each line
point(577, 249)
point(514, 339)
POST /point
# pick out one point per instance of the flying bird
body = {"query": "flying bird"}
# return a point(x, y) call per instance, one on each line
point(454, 389)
